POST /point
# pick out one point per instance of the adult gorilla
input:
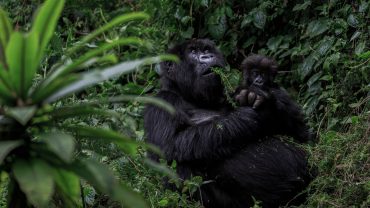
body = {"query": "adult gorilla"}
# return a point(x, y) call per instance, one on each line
point(225, 146)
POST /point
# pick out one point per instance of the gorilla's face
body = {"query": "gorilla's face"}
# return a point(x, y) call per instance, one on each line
point(203, 55)
point(193, 76)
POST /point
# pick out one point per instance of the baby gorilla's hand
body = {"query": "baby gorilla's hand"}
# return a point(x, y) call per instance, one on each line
point(251, 97)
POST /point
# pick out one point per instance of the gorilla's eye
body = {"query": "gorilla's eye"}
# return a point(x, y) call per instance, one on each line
point(193, 51)
point(255, 73)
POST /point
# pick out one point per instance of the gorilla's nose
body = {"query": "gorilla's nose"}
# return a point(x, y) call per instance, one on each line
point(206, 58)
point(258, 81)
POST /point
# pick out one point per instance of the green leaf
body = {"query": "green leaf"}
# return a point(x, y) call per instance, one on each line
point(91, 54)
point(41, 92)
point(217, 24)
point(325, 45)
point(303, 6)
point(332, 60)
point(4, 78)
point(133, 89)
point(259, 19)
point(247, 19)
point(81, 110)
point(68, 183)
point(6, 147)
point(93, 77)
point(127, 145)
point(162, 168)
point(274, 42)
point(5, 90)
point(355, 35)
point(317, 27)
point(352, 21)
point(5, 33)
point(306, 67)
point(22, 114)
point(105, 59)
point(21, 55)
point(102, 178)
point(15, 54)
point(118, 20)
point(30, 59)
point(188, 33)
point(45, 23)
point(363, 6)
point(149, 100)
point(316, 77)
point(360, 47)
point(249, 42)
point(35, 180)
point(163, 203)
point(89, 194)
point(185, 20)
point(365, 55)
point(63, 145)
point(204, 3)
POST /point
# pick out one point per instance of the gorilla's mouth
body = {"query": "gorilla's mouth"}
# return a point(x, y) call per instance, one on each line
point(208, 72)
point(257, 84)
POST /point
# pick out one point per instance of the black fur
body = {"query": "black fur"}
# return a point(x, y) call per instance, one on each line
point(227, 148)
point(292, 121)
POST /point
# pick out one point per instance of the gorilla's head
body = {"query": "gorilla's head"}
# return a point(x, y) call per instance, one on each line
point(193, 77)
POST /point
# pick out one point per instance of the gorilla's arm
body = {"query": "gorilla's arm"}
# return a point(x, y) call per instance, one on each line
point(211, 140)
point(289, 117)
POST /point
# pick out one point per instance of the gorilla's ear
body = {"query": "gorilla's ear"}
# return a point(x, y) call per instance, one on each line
point(274, 69)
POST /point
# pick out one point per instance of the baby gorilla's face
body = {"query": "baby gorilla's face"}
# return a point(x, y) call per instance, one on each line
point(259, 78)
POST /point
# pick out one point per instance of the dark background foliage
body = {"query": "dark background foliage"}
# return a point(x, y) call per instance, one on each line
point(323, 51)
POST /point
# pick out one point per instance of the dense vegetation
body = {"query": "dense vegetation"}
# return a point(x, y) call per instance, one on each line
point(323, 49)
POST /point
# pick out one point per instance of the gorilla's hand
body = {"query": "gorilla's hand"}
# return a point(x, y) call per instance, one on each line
point(252, 97)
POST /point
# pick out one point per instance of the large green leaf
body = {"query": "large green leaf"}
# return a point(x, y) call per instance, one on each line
point(4, 77)
point(6, 31)
point(365, 55)
point(31, 61)
point(306, 67)
point(45, 23)
point(317, 27)
point(81, 110)
point(93, 77)
point(6, 147)
point(41, 92)
point(14, 54)
point(22, 114)
point(162, 168)
point(149, 100)
point(353, 21)
point(103, 179)
point(20, 56)
point(68, 183)
point(303, 6)
point(5, 89)
point(91, 54)
point(116, 21)
point(217, 23)
point(259, 19)
point(127, 145)
point(63, 145)
point(35, 180)
point(360, 47)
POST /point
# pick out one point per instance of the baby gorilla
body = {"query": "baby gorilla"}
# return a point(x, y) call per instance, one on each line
point(258, 84)
point(258, 78)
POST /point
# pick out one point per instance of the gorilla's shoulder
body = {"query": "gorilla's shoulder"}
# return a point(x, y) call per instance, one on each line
point(169, 97)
